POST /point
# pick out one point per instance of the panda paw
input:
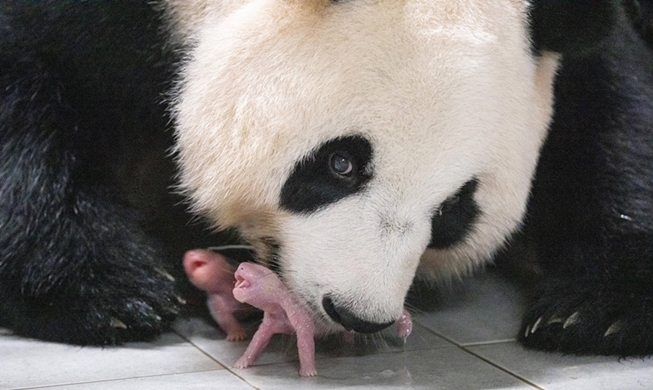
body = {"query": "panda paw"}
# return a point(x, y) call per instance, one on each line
point(134, 318)
point(137, 305)
point(590, 318)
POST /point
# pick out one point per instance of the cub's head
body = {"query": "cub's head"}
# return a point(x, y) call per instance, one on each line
point(355, 142)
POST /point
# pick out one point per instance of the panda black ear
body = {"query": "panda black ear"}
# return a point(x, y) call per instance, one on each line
point(572, 26)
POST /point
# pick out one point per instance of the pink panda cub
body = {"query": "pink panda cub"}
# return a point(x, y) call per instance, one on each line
point(212, 273)
point(259, 287)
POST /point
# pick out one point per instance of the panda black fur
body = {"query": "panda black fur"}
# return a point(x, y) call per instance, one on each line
point(591, 203)
point(85, 215)
point(84, 135)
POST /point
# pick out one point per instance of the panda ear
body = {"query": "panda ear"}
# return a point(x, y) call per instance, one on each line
point(572, 26)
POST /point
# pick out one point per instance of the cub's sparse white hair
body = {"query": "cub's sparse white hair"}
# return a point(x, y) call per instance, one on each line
point(444, 91)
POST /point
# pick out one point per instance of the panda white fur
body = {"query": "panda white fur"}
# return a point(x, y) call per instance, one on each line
point(359, 144)
point(420, 98)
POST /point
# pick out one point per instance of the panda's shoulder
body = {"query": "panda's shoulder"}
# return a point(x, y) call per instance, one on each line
point(113, 47)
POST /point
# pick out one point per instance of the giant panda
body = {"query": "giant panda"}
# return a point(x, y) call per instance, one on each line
point(358, 146)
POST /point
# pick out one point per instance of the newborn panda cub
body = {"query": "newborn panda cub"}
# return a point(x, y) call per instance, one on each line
point(212, 273)
point(259, 287)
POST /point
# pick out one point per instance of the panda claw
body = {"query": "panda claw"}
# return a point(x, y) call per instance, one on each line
point(571, 320)
point(614, 328)
point(116, 323)
point(164, 273)
point(528, 331)
point(555, 320)
point(536, 325)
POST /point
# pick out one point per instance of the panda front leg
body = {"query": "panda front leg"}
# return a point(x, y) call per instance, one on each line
point(79, 271)
point(595, 245)
point(592, 206)
point(75, 266)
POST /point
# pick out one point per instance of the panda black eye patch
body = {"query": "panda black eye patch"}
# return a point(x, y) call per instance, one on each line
point(455, 217)
point(337, 169)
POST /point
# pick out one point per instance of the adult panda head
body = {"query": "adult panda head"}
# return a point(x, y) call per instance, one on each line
point(361, 141)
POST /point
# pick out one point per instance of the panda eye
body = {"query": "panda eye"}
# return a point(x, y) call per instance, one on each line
point(456, 217)
point(341, 164)
point(338, 168)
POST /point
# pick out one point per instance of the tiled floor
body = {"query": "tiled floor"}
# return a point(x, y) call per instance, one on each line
point(465, 343)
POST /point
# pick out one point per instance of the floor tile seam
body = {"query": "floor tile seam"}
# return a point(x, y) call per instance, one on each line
point(431, 330)
point(502, 368)
point(464, 347)
point(442, 336)
point(490, 342)
point(465, 344)
point(83, 382)
point(223, 365)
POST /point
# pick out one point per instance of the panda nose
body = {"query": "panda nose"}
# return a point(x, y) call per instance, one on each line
point(347, 319)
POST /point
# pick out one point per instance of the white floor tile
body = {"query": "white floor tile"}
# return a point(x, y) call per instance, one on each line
point(27, 363)
point(442, 368)
point(209, 380)
point(283, 348)
point(555, 371)
point(486, 308)
point(213, 342)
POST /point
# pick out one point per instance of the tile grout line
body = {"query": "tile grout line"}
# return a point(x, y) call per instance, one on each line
point(501, 368)
point(464, 347)
point(228, 369)
point(493, 342)
point(448, 339)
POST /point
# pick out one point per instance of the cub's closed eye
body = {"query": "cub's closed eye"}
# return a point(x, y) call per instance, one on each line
point(341, 164)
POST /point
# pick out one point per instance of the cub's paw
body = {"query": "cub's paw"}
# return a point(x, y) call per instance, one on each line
point(236, 335)
point(577, 317)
